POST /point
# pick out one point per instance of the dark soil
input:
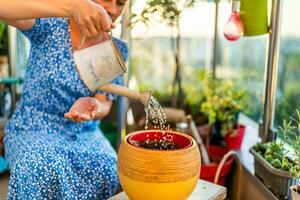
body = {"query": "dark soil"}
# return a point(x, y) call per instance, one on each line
point(158, 144)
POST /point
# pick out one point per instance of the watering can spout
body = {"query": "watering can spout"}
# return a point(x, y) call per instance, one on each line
point(143, 97)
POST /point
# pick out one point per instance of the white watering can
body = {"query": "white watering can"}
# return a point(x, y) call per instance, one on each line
point(98, 65)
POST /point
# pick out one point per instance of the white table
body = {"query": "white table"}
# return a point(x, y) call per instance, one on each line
point(204, 191)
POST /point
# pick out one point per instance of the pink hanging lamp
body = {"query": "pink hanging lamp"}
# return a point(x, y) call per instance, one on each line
point(234, 28)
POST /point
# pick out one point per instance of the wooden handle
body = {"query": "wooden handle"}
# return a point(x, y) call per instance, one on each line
point(239, 173)
point(126, 92)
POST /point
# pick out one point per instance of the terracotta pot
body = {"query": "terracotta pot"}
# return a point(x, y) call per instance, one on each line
point(148, 174)
point(295, 194)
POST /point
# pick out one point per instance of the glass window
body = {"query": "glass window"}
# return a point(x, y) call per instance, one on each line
point(288, 83)
point(152, 53)
point(243, 61)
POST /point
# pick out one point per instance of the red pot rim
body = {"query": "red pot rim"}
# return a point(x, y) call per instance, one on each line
point(184, 139)
point(239, 127)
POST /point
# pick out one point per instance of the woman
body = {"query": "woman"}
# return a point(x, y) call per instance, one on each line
point(53, 143)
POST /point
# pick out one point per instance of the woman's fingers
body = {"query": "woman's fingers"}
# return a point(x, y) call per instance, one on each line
point(91, 17)
point(77, 117)
point(105, 20)
point(70, 116)
point(84, 117)
point(106, 23)
point(92, 30)
point(98, 26)
point(86, 31)
point(79, 120)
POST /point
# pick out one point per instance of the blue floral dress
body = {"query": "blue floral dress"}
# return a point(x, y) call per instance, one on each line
point(51, 157)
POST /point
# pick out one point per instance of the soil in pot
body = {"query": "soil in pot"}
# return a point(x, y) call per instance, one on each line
point(157, 140)
point(158, 144)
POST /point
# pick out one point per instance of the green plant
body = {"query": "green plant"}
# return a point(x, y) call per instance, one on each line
point(277, 154)
point(222, 103)
point(194, 95)
point(290, 133)
point(3, 39)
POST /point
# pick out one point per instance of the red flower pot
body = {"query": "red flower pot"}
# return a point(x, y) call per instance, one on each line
point(234, 138)
point(208, 171)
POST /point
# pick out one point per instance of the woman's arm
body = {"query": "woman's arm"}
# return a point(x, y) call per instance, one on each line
point(24, 24)
point(91, 17)
point(19, 9)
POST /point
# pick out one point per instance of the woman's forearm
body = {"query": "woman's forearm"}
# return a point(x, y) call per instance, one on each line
point(91, 17)
point(20, 9)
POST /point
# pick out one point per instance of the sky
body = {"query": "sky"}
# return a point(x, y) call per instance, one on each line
point(199, 21)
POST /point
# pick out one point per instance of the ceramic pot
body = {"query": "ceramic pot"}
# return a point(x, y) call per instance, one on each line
point(151, 174)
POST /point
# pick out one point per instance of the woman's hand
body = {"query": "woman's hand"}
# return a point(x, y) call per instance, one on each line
point(91, 17)
point(85, 109)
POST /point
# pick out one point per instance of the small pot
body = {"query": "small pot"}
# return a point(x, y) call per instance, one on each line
point(235, 138)
point(295, 189)
point(151, 174)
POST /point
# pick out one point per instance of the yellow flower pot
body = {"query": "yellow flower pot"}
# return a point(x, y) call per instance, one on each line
point(152, 174)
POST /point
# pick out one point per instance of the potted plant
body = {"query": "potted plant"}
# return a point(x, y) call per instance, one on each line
point(291, 134)
point(155, 165)
point(195, 96)
point(222, 104)
point(196, 99)
point(278, 165)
